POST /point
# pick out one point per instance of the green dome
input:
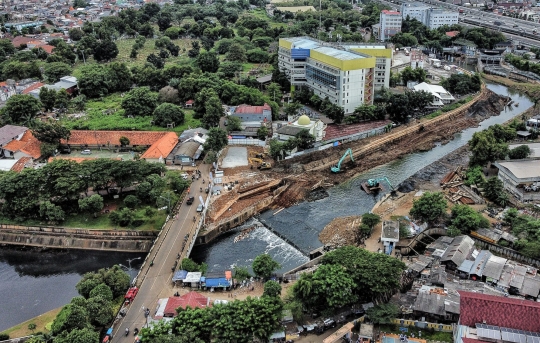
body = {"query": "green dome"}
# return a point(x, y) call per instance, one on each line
point(304, 120)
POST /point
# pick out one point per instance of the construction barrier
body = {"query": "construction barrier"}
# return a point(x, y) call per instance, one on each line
point(423, 325)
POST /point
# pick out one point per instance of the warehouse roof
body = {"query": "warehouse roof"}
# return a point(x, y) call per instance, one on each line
point(521, 169)
point(339, 54)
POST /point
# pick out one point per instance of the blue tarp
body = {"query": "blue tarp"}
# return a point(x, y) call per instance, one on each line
point(179, 275)
point(217, 282)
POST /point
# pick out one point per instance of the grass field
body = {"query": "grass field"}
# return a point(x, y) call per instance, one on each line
point(97, 120)
point(42, 322)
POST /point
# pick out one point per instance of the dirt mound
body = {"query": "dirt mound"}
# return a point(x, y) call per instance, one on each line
point(406, 186)
point(341, 231)
point(493, 103)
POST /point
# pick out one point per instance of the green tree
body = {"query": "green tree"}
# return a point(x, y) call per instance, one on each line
point(62, 99)
point(92, 204)
point(32, 327)
point(364, 230)
point(304, 139)
point(131, 201)
point(99, 310)
point(234, 124)
point(124, 141)
point(371, 219)
point(208, 61)
point(263, 266)
point(494, 190)
point(485, 147)
point(383, 313)
point(272, 289)
point(140, 102)
point(55, 70)
point(105, 50)
point(50, 132)
point(20, 109)
point(430, 208)
point(466, 219)
point(217, 140)
point(95, 81)
point(79, 102)
point(103, 291)
point(77, 336)
point(123, 217)
point(274, 91)
point(236, 53)
point(167, 113)
point(241, 273)
point(213, 113)
point(51, 212)
point(47, 97)
point(520, 152)
point(189, 265)
point(71, 317)
point(291, 109)
point(262, 133)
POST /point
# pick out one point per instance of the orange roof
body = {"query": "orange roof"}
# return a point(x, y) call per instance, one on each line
point(32, 87)
point(163, 147)
point(28, 144)
point(48, 48)
point(87, 137)
point(452, 33)
point(21, 164)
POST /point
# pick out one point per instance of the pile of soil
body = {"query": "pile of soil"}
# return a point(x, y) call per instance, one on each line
point(341, 231)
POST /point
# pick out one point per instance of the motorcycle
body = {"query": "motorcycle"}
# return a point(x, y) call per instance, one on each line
point(135, 332)
point(127, 331)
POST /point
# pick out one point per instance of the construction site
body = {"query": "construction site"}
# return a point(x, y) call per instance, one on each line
point(253, 182)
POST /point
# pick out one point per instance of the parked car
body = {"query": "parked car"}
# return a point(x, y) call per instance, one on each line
point(86, 152)
point(200, 208)
point(329, 323)
point(190, 200)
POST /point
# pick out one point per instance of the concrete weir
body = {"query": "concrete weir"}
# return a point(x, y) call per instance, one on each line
point(62, 238)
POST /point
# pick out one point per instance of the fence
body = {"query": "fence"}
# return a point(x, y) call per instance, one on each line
point(246, 141)
point(423, 325)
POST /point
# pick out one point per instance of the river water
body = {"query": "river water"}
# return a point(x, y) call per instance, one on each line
point(300, 225)
point(32, 283)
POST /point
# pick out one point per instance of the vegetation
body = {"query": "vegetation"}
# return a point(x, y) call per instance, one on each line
point(263, 266)
point(462, 83)
point(465, 219)
point(430, 208)
point(490, 144)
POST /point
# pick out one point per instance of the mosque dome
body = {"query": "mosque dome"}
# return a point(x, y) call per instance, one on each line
point(304, 120)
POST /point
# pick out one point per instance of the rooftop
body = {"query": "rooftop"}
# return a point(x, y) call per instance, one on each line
point(248, 109)
point(521, 169)
point(338, 54)
point(390, 12)
point(390, 229)
point(28, 144)
point(8, 132)
point(162, 148)
point(191, 299)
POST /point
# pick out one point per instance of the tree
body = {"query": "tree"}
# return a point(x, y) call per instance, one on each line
point(79, 3)
point(234, 124)
point(102, 290)
point(166, 114)
point(20, 109)
point(124, 141)
point(371, 219)
point(51, 212)
point(79, 102)
point(105, 50)
point(71, 317)
point(241, 273)
point(92, 204)
point(169, 94)
point(466, 219)
point(78, 336)
point(123, 217)
point(213, 112)
point(50, 133)
point(62, 99)
point(140, 102)
point(291, 109)
point(195, 49)
point(383, 313)
point(430, 207)
point(304, 139)
point(32, 327)
point(257, 55)
point(131, 201)
point(364, 230)
point(263, 266)
point(47, 97)
point(208, 61)
point(520, 152)
point(494, 190)
point(262, 133)
point(55, 70)
point(236, 53)
point(217, 140)
point(272, 289)
point(189, 265)
point(95, 81)
point(156, 61)
point(486, 147)
point(99, 310)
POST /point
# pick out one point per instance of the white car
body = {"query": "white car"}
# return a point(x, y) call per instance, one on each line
point(86, 152)
point(200, 208)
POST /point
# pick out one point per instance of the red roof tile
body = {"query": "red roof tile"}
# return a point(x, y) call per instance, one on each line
point(20, 40)
point(248, 109)
point(334, 131)
point(32, 87)
point(87, 137)
point(21, 164)
point(452, 33)
point(192, 299)
point(500, 311)
point(189, 102)
point(28, 144)
point(472, 340)
point(162, 148)
point(390, 12)
point(48, 48)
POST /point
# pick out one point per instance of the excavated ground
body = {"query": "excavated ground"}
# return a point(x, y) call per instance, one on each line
point(306, 176)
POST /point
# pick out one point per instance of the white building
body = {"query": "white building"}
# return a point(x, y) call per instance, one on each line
point(390, 22)
point(441, 96)
point(389, 235)
point(429, 16)
point(345, 73)
point(517, 175)
point(315, 128)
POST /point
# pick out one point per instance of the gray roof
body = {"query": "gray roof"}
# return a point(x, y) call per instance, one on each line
point(191, 133)
point(8, 132)
point(430, 303)
point(440, 243)
point(421, 264)
point(390, 229)
point(531, 286)
point(458, 251)
point(489, 234)
point(494, 267)
point(438, 276)
point(466, 266)
point(290, 130)
point(451, 304)
point(265, 78)
point(480, 263)
point(186, 149)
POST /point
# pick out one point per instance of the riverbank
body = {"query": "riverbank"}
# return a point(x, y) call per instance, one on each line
point(43, 324)
point(532, 90)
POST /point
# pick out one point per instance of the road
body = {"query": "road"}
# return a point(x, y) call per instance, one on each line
point(156, 280)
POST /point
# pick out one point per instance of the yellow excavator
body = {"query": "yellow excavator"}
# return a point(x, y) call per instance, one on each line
point(261, 164)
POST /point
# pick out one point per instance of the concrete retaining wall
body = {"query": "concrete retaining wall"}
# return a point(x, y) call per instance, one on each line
point(62, 238)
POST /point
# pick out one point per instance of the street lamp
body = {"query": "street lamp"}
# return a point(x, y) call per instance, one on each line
point(130, 260)
point(169, 200)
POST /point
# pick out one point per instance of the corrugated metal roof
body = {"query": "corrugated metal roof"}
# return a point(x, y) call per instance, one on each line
point(339, 54)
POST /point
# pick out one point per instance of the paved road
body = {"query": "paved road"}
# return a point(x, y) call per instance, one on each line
point(156, 280)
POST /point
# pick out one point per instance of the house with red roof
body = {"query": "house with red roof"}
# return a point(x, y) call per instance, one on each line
point(491, 318)
point(248, 113)
point(191, 299)
point(26, 146)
